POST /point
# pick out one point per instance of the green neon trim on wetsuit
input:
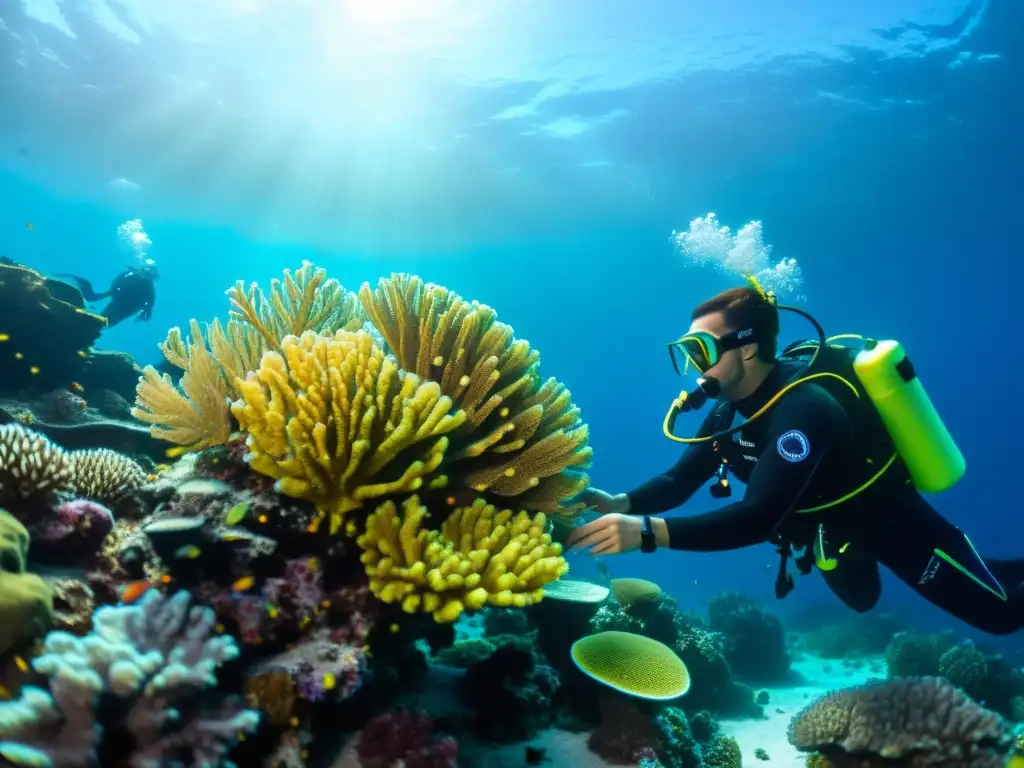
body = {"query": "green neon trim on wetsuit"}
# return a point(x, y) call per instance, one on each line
point(1000, 593)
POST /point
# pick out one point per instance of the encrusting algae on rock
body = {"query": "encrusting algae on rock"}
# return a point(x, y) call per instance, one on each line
point(481, 556)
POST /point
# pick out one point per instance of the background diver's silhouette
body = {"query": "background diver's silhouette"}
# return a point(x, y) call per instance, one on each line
point(132, 292)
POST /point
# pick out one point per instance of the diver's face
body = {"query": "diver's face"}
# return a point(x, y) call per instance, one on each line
point(730, 370)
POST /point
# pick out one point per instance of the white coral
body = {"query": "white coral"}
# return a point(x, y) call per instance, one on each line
point(155, 651)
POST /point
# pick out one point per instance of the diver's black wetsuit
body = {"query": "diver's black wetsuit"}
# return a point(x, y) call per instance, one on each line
point(801, 453)
point(131, 293)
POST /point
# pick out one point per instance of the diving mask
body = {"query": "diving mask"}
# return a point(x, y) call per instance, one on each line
point(703, 350)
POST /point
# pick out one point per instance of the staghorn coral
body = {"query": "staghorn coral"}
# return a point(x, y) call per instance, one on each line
point(522, 436)
point(923, 721)
point(30, 464)
point(328, 417)
point(480, 557)
point(157, 659)
point(197, 414)
point(104, 475)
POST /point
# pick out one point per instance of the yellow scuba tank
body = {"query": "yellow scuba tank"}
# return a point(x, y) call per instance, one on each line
point(924, 444)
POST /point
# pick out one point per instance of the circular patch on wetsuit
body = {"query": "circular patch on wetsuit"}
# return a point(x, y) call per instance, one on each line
point(794, 446)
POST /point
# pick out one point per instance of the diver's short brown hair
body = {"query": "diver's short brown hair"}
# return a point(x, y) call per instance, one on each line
point(744, 307)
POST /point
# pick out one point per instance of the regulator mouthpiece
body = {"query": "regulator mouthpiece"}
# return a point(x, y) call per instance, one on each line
point(707, 387)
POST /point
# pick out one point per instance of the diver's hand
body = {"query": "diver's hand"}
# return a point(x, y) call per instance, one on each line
point(612, 534)
point(604, 502)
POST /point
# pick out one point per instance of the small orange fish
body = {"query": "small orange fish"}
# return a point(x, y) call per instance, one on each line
point(76, 387)
point(242, 584)
point(132, 592)
point(21, 664)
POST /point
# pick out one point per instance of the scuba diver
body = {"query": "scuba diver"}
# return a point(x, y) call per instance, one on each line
point(131, 293)
point(835, 444)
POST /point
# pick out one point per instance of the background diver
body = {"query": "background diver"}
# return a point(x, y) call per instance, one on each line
point(835, 444)
point(133, 292)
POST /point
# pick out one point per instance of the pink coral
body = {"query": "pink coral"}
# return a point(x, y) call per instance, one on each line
point(407, 739)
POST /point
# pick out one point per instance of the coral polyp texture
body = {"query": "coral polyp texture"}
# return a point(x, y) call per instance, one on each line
point(920, 721)
point(336, 422)
point(481, 556)
point(157, 660)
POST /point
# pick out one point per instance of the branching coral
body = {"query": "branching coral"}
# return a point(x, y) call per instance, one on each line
point(197, 414)
point(156, 659)
point(329, 416)
point(523, 437)
point(916, 721)
point(480, 557)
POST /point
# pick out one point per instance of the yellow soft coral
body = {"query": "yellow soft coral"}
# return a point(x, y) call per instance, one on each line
point(328, 417)
point(523, 436)
point(196, 415)
point(481, 556)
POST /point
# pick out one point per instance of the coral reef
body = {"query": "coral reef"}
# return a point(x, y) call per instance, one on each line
point(47, 332)
point(753, 640)
point(407, 739)
point(522, 436)
point(860, 636)
point(700, 648)
point(157, 662)
point(330, 418)
point(481, 556)
point(917, 721)
point(31, 465)
point(629, 591)
point(988, 678)
point(197, 415)
point(510, 692)
point(26, 602)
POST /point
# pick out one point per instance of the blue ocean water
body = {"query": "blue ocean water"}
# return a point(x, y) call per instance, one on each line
point(537, 157)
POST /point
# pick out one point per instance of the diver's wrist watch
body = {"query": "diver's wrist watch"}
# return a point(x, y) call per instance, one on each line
point(648, 541)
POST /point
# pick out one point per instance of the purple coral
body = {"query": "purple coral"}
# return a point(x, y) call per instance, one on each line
point(85, 520)
point(321, 667)
point(158, 657)
point(922, 721)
